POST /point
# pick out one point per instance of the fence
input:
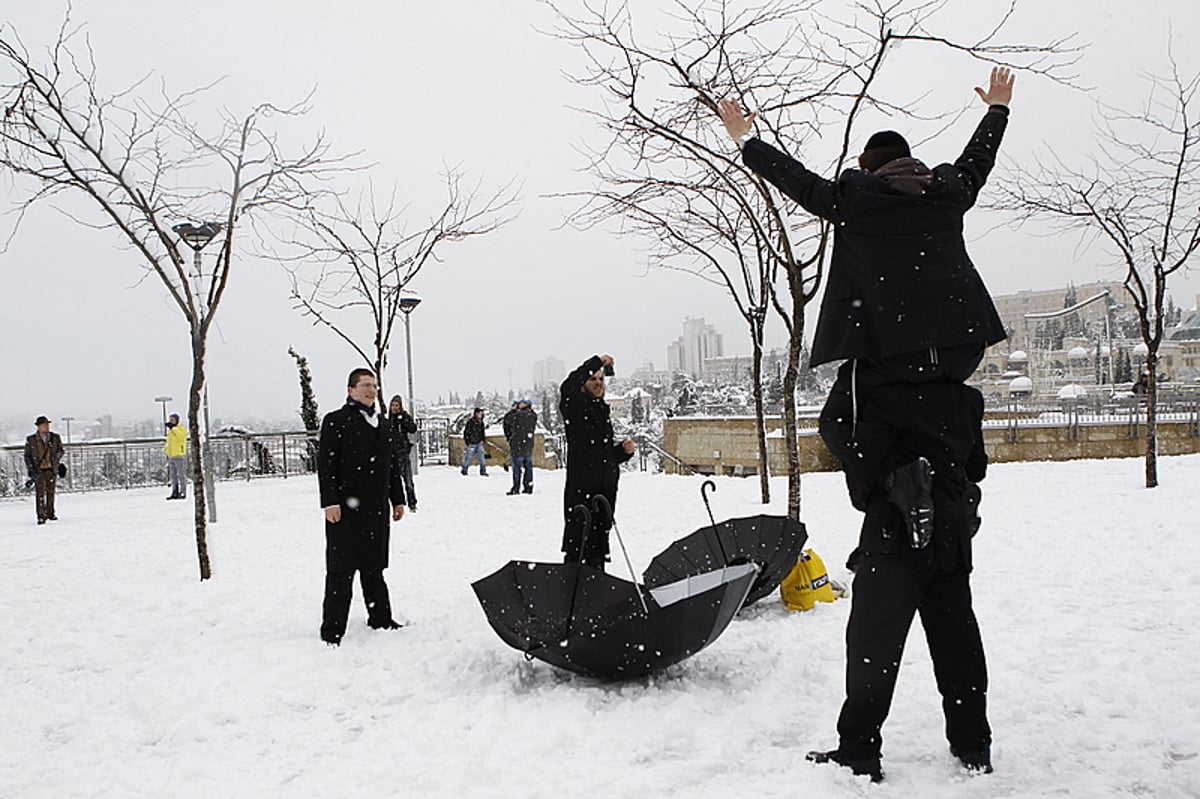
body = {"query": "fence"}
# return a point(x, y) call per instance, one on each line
point(131, 463)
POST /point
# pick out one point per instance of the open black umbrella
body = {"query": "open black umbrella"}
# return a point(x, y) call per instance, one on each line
point(584, 620)
point(773, 543)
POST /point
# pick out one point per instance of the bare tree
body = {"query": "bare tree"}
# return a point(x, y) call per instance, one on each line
point(135, 161)
point(670, 175)
point(1140, 197)
point(358, 261)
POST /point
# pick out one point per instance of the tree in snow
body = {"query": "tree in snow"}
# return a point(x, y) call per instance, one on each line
point(141, 167)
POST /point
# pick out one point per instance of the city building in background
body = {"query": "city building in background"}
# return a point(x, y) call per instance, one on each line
point(700, 342)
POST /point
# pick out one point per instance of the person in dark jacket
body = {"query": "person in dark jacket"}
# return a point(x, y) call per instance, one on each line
point(506, 424)
point(474, 432)
point(403, 425)
point(594, 460)
point(43, 459)
point(903, 301)
point(895, 579)
point(519, 427)
point(358, 479)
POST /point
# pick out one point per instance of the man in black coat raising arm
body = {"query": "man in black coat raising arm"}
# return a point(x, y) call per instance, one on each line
point(903, 302)
point(594, 459)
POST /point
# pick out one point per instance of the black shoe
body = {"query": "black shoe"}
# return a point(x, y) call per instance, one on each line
point(41, 521)
point(173, 496)
point(390, 624)
point(332, 640)
point(51, 518)
point(413, 507)
point(512, 492)
point(976, 762)
point(910, 488)
point(528, 490)
point(863, 768)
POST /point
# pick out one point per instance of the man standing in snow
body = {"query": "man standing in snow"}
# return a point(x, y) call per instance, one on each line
point(357, 479)
point(403, 426)
point(474, 432)
point(910, 316)
point(594, 460)
point(176, 449)
point(43, 459)
point(519, 428)
point(893, 581)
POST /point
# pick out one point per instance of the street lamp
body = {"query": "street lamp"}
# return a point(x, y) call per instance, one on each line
point(408, 304)
point(197, 237)
point(71, 471)
point(164, 399)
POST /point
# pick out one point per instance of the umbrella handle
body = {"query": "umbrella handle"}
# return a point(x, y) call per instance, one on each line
point(582, 509)
point(601, 504)
point(704, 496)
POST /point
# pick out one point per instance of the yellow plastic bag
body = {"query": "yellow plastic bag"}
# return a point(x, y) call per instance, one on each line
point(807, 583)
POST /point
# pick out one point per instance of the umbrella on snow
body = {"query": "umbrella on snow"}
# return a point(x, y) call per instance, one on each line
point(773, 543)
point(584, 620)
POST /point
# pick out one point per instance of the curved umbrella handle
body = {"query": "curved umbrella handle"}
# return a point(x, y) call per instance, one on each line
point(584, 511)
point(704, 496)
point(581, 509)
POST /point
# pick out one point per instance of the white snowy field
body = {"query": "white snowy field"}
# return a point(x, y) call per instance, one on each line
point(125, 676)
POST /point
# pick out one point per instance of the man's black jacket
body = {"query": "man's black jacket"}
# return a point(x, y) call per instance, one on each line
point(900, 279)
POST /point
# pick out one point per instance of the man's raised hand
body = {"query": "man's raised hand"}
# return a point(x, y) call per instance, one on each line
point(999, 91)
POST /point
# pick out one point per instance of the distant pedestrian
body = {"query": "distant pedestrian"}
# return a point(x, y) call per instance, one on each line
point(594, 459)
point(473, 435)
point(357, 482)
point(403, 425)
point(506, 424)
point(43, 461)
point(176, 449)
point(522, 425)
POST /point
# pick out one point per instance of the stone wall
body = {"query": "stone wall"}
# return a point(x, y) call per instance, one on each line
point(711, 445)
point(496, 448)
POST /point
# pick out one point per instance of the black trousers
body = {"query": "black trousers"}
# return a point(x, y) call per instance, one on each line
point(45, 481)
point(851, 390)
point(888, 591)
point(339, 590)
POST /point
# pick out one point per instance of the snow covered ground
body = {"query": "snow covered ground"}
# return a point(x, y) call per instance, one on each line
point(125, 676)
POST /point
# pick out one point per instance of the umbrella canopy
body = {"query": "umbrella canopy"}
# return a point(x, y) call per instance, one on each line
point(587, 621)
point(773, 543)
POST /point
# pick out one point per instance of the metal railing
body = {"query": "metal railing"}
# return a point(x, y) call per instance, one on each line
point(139, 462)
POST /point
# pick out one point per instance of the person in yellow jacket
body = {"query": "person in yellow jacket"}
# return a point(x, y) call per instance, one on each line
point(176, 449)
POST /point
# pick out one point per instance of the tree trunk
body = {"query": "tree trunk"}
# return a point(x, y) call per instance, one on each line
point(198, 465)
point(760, 422)
point(1152, 417)
point(791, 435)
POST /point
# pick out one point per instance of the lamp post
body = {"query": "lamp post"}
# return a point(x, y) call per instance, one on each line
point(71, 470)
point(197, 237)
point(164, 399)
point(408, 304)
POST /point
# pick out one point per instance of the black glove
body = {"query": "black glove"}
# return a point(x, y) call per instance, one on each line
point(62, 470)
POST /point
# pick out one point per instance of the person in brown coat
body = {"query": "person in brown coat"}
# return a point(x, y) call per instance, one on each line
point(43, 459)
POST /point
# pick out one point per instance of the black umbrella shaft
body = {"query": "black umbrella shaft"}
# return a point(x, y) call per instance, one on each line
point(704, 496)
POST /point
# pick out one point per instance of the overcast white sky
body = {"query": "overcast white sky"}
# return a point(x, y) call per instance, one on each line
point(419, 86)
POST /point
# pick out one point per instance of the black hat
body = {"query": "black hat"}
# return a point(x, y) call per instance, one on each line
point(884, 146)
point(41, 420)
point(174, 416)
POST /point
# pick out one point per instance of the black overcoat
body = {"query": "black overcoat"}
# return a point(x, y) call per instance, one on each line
point(941, 421)
point(355, 471)
point(594, 457)
point(521, 428)
point(900, 279)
